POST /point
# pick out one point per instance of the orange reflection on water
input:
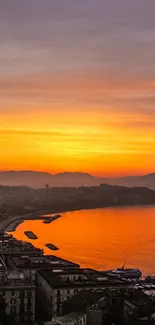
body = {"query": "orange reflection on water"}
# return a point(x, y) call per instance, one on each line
point(102, 238)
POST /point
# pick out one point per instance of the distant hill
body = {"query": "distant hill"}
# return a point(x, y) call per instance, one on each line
point(40, 179)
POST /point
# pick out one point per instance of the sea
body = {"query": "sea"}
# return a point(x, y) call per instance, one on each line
point(102, 239)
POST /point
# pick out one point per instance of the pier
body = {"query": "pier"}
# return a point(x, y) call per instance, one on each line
point(51, 219)
point(30, 235)
point(52, 247)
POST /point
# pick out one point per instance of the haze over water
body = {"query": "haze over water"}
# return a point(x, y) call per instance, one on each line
point(101, 239)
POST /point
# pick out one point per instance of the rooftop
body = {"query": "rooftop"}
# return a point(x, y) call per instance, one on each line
point(17, 246)
point(2, 265)
point(138, 298)
point(4, 237)
point(14, 279)
point(66, 319)
point(73, 277)
point(85, 297)
point(42, 262)
point(64, 262)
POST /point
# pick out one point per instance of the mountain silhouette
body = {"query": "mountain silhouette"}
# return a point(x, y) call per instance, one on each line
point(40, 179)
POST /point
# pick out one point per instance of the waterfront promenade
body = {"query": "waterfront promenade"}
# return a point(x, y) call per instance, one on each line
point(4, 223)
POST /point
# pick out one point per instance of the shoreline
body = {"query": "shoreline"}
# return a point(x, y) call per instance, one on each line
point(12, 222)
point(32, 217)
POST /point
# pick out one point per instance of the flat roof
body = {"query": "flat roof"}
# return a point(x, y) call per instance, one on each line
point(40, 262)
point(66, 318)
point(85, 297)
point(15, 279)
point(70, 317)
point(57, 279)
point(138, 298)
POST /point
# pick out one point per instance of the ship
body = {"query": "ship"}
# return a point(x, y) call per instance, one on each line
point(126, 273)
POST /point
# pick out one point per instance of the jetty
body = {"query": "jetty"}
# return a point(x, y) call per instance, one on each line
point(12, 227)
point(30, 235)
point(51, 219)
point(52, 247)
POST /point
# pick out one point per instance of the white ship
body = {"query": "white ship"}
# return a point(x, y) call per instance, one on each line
point(127, 273)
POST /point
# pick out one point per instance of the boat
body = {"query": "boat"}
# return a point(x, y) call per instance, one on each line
point(126, 273)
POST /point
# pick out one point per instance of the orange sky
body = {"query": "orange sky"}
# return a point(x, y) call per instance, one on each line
point(77, 87)
point(110, 144)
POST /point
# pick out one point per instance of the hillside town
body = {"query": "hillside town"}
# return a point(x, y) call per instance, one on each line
point(23, 200)
point(44, 289)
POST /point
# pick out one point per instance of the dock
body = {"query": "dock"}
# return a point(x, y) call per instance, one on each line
point(30, 235)
point(51, 219)
point(12, 227)
point(52, 247)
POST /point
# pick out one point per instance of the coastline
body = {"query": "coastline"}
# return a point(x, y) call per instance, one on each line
point(108, 210)
point(12, 222)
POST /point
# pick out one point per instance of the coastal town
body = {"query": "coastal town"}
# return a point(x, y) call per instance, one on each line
point(36, 288)
point(30, 202)
point(44, 289)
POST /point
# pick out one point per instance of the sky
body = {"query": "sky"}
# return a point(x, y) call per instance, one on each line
point(77, 86)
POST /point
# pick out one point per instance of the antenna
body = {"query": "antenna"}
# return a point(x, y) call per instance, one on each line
point(123, 265)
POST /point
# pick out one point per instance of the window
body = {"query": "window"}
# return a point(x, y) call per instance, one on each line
point(114, 301)
point(22, 294)
point(68, 291)
point(13, 301)
point(13, 293)
point(29, 308)
point(22, 308)
point(13, 310)
point(58, 292)
point(30, 319)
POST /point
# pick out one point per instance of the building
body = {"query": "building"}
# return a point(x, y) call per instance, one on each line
point(5, 238)
point(91, 302)
point(31, 264)
point(58, 285)
point(84, 301)
point(70, 319)
point(18, 297)
point(18, 248)
point(138, 305)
